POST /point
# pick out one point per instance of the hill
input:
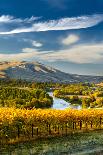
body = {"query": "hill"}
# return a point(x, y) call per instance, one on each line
point(35, 71)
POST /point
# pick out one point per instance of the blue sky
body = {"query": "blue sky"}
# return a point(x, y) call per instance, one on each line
point(66, 34)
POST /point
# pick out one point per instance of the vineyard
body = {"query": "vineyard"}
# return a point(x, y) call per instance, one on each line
point(16, 124)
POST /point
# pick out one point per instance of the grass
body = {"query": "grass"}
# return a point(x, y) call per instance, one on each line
point(72, 144)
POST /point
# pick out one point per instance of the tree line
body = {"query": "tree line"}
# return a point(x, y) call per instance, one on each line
point(22, 98)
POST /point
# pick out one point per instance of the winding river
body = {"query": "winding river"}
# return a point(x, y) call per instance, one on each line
point(61, 104)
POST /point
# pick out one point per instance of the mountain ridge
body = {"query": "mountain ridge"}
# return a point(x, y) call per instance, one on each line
point(38, 72)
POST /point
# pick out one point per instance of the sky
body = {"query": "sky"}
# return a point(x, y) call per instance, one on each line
point(64, 34)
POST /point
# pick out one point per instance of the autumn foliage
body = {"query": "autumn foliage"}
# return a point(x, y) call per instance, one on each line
point(18, 122)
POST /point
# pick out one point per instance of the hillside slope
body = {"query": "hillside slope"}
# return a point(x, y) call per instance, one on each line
point(35, 71)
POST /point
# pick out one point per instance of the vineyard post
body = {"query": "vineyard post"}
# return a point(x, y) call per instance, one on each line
point(32, 131)
point(58, 129)
point(49, 129)
point(100, 122)
point(37, 131)
point(73, 125)
point(66, 129)
point(55, 128)
point(91, 124)
point(6, 138)
point(62, 129)
point(86, 125)
point(47, 126)
point(18, 128)
point(80, 124)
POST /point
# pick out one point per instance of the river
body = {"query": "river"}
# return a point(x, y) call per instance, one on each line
point(61, 104)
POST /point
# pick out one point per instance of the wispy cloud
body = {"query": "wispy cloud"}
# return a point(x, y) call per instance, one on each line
point(61, 24)
point(26, 53)
point(81, 53)
point(30, 50)
point(11, 19)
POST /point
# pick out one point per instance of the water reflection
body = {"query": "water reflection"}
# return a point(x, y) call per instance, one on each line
point(62, 104)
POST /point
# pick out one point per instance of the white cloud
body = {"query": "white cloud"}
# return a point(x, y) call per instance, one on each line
point(25, 54)
point(11, 19)
point(29, 50)
point(33, 42)
point(82, 53)
point(31, 19)
point(69, 23)
point(5, 18)
point(19, 30)
point(70, 39)
point(36, 44)
point(61, 24)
